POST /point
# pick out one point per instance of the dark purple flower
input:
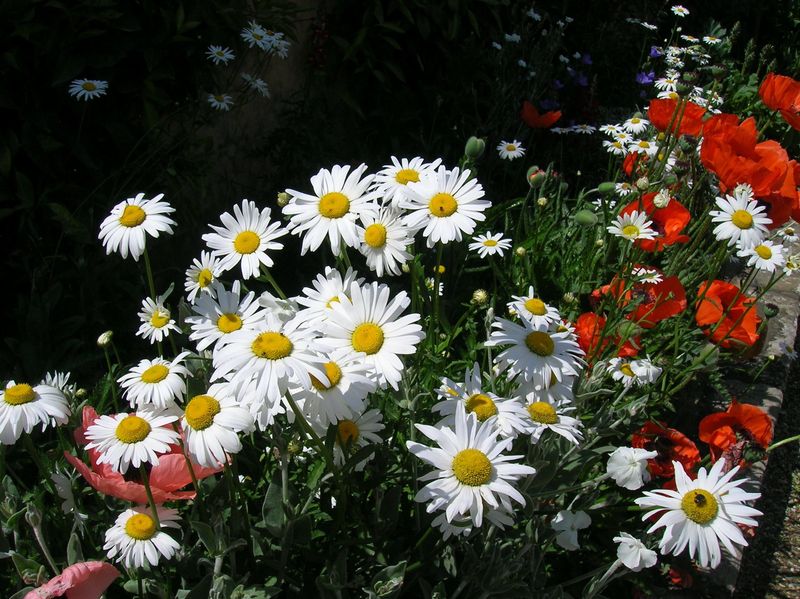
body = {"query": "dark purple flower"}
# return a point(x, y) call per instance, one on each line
point(645, 78)
point(586, 58)
point(582, 80)
point(655, 52)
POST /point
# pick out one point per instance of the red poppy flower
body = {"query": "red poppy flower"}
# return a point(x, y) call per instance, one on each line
point(170, 475)
point(531, 116)
point(589, 330)
point(680, 578)
point(730, 150)
point(84, 580)
point(669, 222)
point(634, 163)
point(726, 315)
point(662, 112)
point(655, 301)
point(741, 422)
point(671, 445)
point(782, 93)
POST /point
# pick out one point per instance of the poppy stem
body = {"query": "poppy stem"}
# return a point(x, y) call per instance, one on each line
point(146, 481)
point(785, 441)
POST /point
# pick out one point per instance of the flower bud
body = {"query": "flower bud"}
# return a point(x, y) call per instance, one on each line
point(520, 252)
point(607, 187)
point(771, 310)
point(480, 297)
point(32, 515)
point(405, 268)
point(598, 243)
point(585, 217)
point(81, 393)
point(104, 340)
point(474, 148)
point(440, 269)
point(661, 199)
point(542, 202)
point(569, 298)
point(642, 183)
point(283, 199)
point(536, 177)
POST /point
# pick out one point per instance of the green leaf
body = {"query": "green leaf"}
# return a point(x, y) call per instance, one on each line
point(72, 226)
point(388, 582)
point(272, 509)
point(207, 536)
point(74, 551)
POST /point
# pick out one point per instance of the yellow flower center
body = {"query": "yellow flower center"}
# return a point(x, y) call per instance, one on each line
point(375, 235)
point(540, 343)
point(89, 86)
point(132, 429)
point(19, 394)
point(334, 205)
point(159, 318)
point(406, 176)
point(229, 322)
point(482, 406)
point(763, 251)
point(742, 219)
point(367, 337)
point(140, 527)
point(472, 467)
point(644, 144)
point(155, 374)
point(204, 278)
point(200, 412)
point(272, 346)
point(699, 506)
point(510, 147)
point(635, 121)
point(333, 300)
point(347, 433)
point(630, 231)
point(440, 269)
point(334, 374)
point(542, 412)
point(626, 370)
point(442, 204)
point(132, 216)
point(257, 36)
point(246, 242)
point(490, 243)
point(536, 306)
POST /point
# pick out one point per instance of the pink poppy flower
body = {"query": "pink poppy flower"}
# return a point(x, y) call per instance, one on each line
point(85, 580)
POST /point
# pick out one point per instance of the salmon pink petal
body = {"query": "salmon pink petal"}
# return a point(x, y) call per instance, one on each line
point(85, 580)
point(172, 474)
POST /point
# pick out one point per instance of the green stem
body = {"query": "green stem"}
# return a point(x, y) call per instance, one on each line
point(146, 481)
point(149, 270)
point(301, 419)
point(785, 441)
point(271, 280)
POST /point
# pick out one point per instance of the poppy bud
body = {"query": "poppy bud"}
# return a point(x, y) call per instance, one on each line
point(474, 148)
point(771, 310)
point(283, 199)
point(642, 183)
point(584, 217)
point(536, 177)
point(607, 187)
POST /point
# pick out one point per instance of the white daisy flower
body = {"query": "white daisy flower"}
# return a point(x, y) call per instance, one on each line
point(126, 228)
point(23, 406)
point(470, 470)
point(615, 147)
point(533, 309)
point(634, 554)
point(87, 89)
point(611, 129)
point(135, 540)
point(156, 320)
point(557, 393)
point(329, 288)
point(643, 146)
point(331, 211)
point(535, 352)
point(254, 35)
point(490, 244)
point(680, 11)
point(623, 189)
point(445, 205)
point(383, 241)
point(274, 354)
point(222, 102)
point(222, 313)
point(220, 54)
point(514, 38)
point(669, 84)
point(633, 372)
point(742, 220)
point(583, 129)
point(509, 150)
point(628, 467)
point(642, 274)
point(200, 276)
point(544, 416)
point(354, 433)
point(391, 180)
point(711, 40)
point(787, 350)
point(567, 524)
point(158, 382)
point(766, 256)
point(508, 415)
point(430, 283)
point(342, 396)
point(632, 226)
point(668, 95)
point(60, 380)
point(125, 440)
point(369, 322)
point(210, 425)
point(701, 513)
point(534, 15)
point(257, 84)
point(788, 233)
point(245, 238)
point(463, 525)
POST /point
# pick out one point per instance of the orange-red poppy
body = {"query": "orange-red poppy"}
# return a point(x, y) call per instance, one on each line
point(589, 330)
point(740, 423)
point(726, 315)
point(671, 445)
point(533, 118)
point(662, 112)
point(634, 163)
point(782, 93)
point(669, 222)
point(654, 301)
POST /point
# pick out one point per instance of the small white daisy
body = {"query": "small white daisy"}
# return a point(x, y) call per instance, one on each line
point(254, 35)
point(701, 513)
point(219, 314)
point(611, 129)
point(544, 416)
point(60, 380)
point(533, 309)
point(87, 89)
point(788, 233)
point(158, 383)
point(509, 150)
point(210, 425)
point(632, 226)
point(201, 274)
point(643, 146)
point(384, 240)
point(514, 38)
point(680, 11)
point(125, 230)
point(135, 540)
point(766, 256)
point(125, 440)
point(583, 129)
point(257, 84)
point(470, 470)
point(220, 54)
point(391, 180)
point(490, 244)
point(742, 220)
point(615, 147)
point(623, 189)
point(642, 274)
point(245, 238)
point(329, 288)
point(445, 205)
point(354, 433)
point(156, 320)
point(221, 102)
point(633, 372)
point(711, 40)
point(666, 84)
point(331, 211)
point(23, 406)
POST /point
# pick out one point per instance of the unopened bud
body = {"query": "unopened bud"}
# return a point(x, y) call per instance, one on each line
point(536, 177)
point(33, 516)
point(607, 187)
point(584, 217)
point(283, 199)
point(104, 340)
point(661, 199)
point(771, 310)
point(474, 148)
point(81, 393)
point(405, 268)
point(569, 298)
point(520, 252)
point(642, 183)
point(480, 297)
point(542, 201)
point(598, 243)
